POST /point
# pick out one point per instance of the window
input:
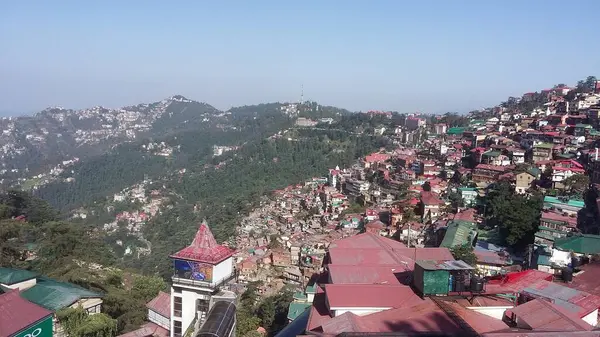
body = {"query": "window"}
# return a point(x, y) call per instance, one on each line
point(177, 290)
point(177, 328)
point(177, 306)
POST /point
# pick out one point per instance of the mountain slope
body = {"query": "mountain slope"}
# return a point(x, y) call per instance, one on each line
point(32, 144)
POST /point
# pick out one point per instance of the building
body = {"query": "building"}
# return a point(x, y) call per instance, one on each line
point(413, 123)
point(526, 180)
point(430, 205)
point(21, 318)
point(50, 294)
point(468, 195)
point(542, 151)
point(440, 128)
point(201, 270)
point(485, 173)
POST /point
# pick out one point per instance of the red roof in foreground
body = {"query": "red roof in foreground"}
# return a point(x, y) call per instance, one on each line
point(148, 330)
point(541, 314)
point(161, 304)
point(516, 282)
point(370, 296)
point(204, 248)
point(16, 313)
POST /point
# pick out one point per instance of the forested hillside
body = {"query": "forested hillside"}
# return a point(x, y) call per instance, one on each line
point(270, 153)
point(222, 194)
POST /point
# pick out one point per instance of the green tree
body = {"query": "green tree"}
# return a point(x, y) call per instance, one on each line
point(77, 323)
point(577, 184)
point(147, 287)
point(456, 201)
point(465, 253)
point(517, 216)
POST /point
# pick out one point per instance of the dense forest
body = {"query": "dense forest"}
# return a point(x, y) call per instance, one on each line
point(222, 194)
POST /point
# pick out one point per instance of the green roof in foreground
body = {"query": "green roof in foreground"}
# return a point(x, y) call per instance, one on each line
point(458, 233)
point(54, 295)
point(582, 244)
point(10, 276)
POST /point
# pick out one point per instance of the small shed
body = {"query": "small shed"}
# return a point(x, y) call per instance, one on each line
point(432, 277)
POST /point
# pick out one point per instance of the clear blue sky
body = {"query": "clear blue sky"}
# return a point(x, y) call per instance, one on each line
point(426, 55)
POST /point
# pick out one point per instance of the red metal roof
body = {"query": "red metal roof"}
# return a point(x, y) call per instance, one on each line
point(515, 282)
point(365, 240)
point(430, 198)
point(149, 329)
point(161, 304)
point(588, 280)
point(204, 248)
point(16, 313)
point(349, 274)
point(370, 296)
point(541, 314)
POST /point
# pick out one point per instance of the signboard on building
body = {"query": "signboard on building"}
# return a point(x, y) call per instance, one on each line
point(192, 270)
point(42, 328)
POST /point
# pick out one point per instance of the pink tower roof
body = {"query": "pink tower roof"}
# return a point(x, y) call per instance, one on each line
point(204, 248)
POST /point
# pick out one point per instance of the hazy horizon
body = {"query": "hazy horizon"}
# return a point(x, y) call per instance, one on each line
point(430, 56)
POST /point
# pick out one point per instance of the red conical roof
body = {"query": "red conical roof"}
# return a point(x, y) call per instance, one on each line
point(204, 248)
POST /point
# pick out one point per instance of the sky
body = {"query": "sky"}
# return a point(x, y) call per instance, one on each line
point(428, 56)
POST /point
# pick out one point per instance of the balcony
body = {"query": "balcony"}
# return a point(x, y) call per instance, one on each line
point(202, 284)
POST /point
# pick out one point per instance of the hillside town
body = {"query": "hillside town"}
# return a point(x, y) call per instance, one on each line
point(486, 225)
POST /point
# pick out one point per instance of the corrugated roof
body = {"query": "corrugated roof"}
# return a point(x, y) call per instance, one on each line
point(296, 309)
point(161, 304)
point(458, 234)
point(444, 265)
point(349, 274)
point(10, 276)
point(583, 244)
point(369, 296)
point(365, 240)
point(570, 299)
point(17, 314)
point(54, 295)
point(540, 314)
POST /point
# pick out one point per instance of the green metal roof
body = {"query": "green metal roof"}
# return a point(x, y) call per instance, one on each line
point(467, 189)
point(576, 203)
point(456, 131)
point(582, 244)
point(534, 171)
point(492, 153)
point(10, 276)
point(311, 289)
point(458, 233)
point(298, 295)
point(587, 126)
point(544, 145)
point(54, 295)
point(296, 309)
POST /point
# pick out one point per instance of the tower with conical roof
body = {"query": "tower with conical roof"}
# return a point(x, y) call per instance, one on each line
point(200, 270)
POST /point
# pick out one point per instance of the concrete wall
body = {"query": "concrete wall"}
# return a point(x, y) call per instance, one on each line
point(223, 270)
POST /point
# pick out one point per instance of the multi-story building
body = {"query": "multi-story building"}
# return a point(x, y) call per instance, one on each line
point(484, 172)
point(593, 114)
point(542, 151)
point(356, 187)
point(201, 271)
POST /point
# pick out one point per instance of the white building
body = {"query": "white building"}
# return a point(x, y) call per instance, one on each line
point(201, 270)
